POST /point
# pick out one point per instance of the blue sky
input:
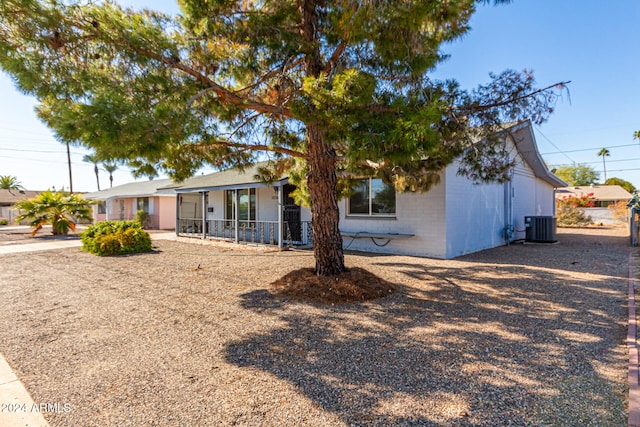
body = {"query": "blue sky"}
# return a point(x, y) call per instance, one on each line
point(593, 44)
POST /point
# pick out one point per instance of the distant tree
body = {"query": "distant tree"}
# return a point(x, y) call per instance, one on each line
point(93, 159)
point(622, 183)
point(59, 209)
point(110, 167)
point(604, 153)
point(577, 174)
point(8, 182)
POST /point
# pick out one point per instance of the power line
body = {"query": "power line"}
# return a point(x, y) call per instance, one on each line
point(611, 161)
point(621, 170)
point(594, 149)
point(554, 145)
point(29, 159)
point(40, 151)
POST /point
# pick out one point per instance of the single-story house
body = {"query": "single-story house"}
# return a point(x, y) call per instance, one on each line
point(603, 195)
point(123, 201)
point(454, 218)
point(8, 198)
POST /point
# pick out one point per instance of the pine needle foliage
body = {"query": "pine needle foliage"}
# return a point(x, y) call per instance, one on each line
point(330, 90)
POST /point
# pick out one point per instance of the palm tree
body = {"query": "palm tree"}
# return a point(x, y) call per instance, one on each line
point(93, 159)
point(110, 167)
point(60, 209)
point(8, 182)
point(604, 153)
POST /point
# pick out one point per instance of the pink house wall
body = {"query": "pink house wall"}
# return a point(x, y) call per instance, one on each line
point(165, 208)
point(162, 215)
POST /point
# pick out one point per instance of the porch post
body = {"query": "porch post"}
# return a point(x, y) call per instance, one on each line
point(178, 213)
point(204, 215)
point(280, 216)
point(236, 216)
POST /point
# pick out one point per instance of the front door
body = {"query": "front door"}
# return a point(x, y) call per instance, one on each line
point(291, 214)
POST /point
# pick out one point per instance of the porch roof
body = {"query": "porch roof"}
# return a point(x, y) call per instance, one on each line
point(224, 180)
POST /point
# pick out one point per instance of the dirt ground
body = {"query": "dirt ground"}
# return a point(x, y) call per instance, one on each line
point(526, 334)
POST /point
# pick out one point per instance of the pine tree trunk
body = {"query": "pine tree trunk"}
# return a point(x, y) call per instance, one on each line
point(325, 215)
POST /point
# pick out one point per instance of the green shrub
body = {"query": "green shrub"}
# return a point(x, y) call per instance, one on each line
point(108, 238)
point(4, 221)
point(143, 218)
point(108, 245)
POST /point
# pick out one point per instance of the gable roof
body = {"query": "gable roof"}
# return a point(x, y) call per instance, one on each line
point(600, 192)
point(132, 189)
point(526, 144)
point(522, 132)
point(223, 180)
point(10, 197)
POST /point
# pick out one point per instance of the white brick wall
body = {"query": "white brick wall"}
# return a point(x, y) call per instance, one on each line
point(530, 197)
point(267, 204)
point(217, 202)
point(420, 214)
point(475, 214)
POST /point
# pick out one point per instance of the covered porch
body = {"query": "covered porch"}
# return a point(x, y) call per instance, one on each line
point(248, 212)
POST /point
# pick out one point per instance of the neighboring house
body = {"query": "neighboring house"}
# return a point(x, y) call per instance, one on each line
point(604, 195)
point(8, 198)
point(122, 202)
point(455, 217)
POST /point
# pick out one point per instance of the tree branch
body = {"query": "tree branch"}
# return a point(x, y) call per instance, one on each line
point(260, 147)
point(333, 61)
point(220, 91)
point(508, 101)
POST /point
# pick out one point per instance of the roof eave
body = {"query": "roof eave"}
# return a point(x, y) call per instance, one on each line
point(532, 155)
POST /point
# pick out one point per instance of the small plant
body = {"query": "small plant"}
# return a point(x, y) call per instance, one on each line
point(60, 209)
point(109, 238)
point(569, 212)
point(4, 221)
point(143, 218)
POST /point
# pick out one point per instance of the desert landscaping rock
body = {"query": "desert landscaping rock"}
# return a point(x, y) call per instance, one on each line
point(191, 335)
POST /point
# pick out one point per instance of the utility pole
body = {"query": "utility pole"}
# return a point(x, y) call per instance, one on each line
point(69, 162)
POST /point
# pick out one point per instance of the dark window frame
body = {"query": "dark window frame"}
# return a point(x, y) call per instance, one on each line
point(366, 204)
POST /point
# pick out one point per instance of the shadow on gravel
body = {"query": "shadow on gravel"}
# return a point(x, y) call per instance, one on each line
point(508, 343)
point(573, 252)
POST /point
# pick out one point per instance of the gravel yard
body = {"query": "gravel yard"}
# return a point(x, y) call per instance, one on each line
point(190, 336)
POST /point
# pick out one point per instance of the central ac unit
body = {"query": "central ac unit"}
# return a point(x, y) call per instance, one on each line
point(540, 229)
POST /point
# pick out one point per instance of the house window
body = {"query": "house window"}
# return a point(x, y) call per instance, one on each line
point(246, 199)
point(102, 208)
point(143, 204)
point(372, 197)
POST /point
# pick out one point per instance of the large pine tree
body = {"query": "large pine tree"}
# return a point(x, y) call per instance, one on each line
point(328, 90)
